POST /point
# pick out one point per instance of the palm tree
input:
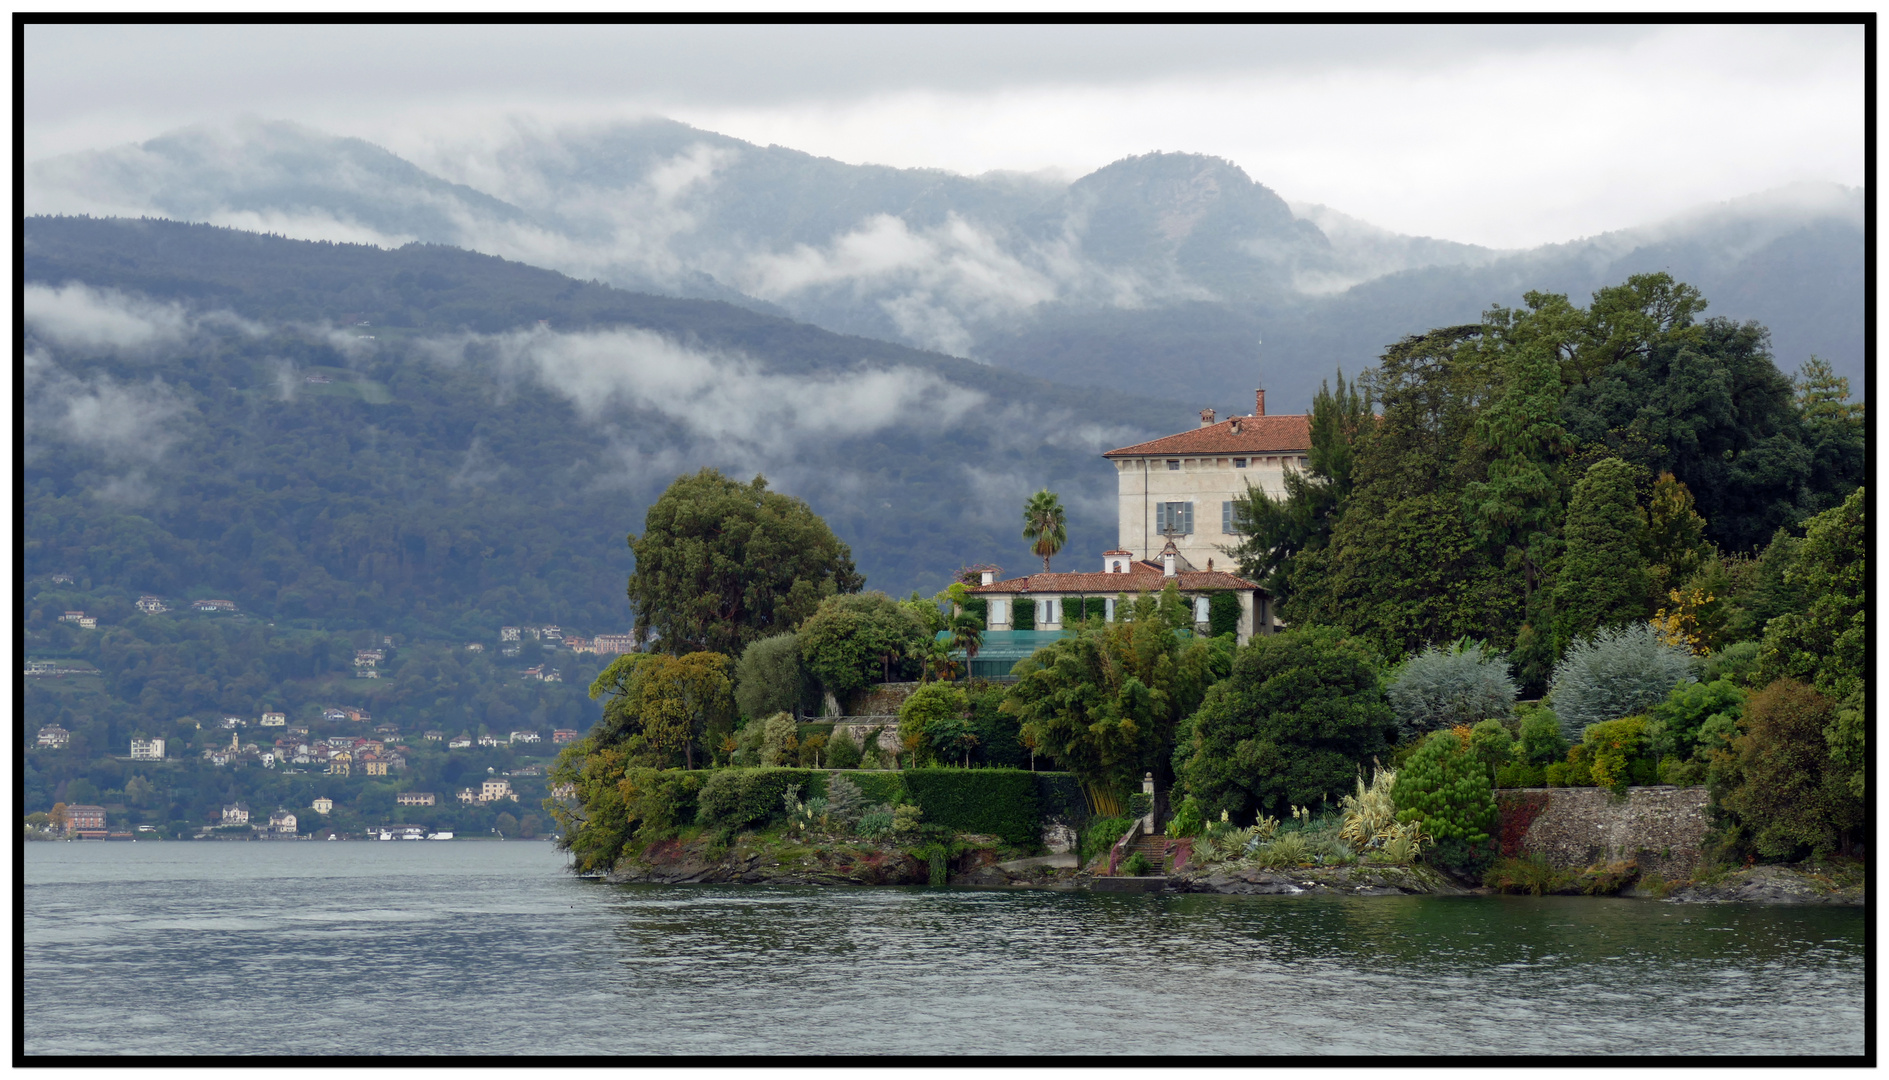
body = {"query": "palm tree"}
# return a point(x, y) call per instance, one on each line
point(1045, 523)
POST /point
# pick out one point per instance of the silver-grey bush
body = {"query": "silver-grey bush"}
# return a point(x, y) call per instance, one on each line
point(1440, 688)
point(1615, 673)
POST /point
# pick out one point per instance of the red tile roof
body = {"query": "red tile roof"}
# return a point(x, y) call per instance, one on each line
point(1256, 435)
point(1142, 577)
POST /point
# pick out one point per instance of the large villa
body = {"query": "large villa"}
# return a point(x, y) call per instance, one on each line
point(1176, 497)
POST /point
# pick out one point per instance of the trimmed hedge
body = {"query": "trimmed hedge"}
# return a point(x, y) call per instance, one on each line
point(1223, 613)
point(738, 798)
point(879, 787)
point(1060, 795)
point(996, 802)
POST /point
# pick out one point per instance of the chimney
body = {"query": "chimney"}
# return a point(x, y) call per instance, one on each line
point(1259, 402)
point(1167, 564)
point(985, 577)
point(1206, 418)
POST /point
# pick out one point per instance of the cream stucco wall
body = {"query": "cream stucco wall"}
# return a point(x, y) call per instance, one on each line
point(1204, 481)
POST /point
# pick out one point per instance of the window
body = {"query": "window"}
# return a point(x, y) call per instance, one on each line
point(1239, 463)
point(1226, 519)
point(1200, 609)
point(1048, 610)
point(1174, 466)
point(999, 611)
point(1177, 517)
point(1108, 609)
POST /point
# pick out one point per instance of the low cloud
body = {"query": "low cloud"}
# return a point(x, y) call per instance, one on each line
point(723, 400)
point(124, 422)
point(77, 316)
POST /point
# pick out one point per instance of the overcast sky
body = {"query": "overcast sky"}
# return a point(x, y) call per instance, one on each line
point(1507, 136)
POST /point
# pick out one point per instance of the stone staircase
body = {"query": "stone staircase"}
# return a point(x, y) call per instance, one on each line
point(1154, 849)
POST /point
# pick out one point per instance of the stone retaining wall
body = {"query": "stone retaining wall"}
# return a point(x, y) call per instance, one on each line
point(1661, 828)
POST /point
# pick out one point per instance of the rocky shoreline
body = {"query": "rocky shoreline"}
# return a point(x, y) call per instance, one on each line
point(773, 860)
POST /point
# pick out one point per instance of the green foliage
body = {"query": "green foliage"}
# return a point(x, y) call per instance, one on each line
point(876, 823)
point(1777, 783)
point(770, 678)
point(1826, 645)
point(1100, 835)
point(721, 564)
point(733, 799)
point(855, 640)
point(932, 720)
point(1604, 580)
point(1521, 774)
point(780, 738)
point(1446, 790)
point(663, 708)
point(881, 787)
point(1297, 718)
point(1617, 753)
point(1491, 744)
point(1271, 530)
point(1847, 736)
point(1674, 725)
point(1137, 865)
point(1736, 663)
point(993, 802)
point(1444, 687)
point(1106, 701)
point(1188, 820)
point(1616, 673)
point(1045, 524)
point(1539, 740)
point(1676, 548)
point(996, 732)
point(1834, 428)
point(842, 752)
point(1223, 613)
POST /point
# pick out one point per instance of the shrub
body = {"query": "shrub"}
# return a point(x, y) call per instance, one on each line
point(882, 787)
point(845, 803)
point(741, 798)
point(906, 821)
point(992, 802)
point(1777, 781)
point(1674, 725)
point(1521, 774)
point(810, 746)
point(1444, 687)
point(1492, 745)
point(1283, 852)
point(1681, 772)
point(841, 751)
point(769, 677)
point(1290, 726)
point(1617, 752)
point(1445, 790)
point(1137, 865)
point(1187, 820)
point(1530, 875)
point(1370, 815)
point(871, 754)
point(876, 823)
point(1615, 673)
point(779, 741)
point(934, 716)
point(1826, 644)
point(1100, 835)
point(661, 800)
point(1540, 741)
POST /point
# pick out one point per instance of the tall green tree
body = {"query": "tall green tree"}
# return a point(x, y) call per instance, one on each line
point(1298, 716)
point(1045, 524)
point(1833, 428)
point(852, 641)
point(1106, 700)
point(1827, 644)
point(1273, 530)
point(721, 564)
point(1676, 547)
point(1516, 507)
point(1603, 580)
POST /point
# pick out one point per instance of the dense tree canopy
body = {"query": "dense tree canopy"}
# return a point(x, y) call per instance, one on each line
point(721, 564)
point(1301, 713)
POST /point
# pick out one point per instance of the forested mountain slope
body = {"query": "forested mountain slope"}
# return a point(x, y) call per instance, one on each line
point(436, 442)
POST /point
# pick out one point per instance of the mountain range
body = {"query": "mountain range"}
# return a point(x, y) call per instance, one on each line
point(1166, 274)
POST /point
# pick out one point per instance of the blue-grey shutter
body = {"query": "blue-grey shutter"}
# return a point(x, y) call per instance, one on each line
point(1187, 517)
point(1226, 518)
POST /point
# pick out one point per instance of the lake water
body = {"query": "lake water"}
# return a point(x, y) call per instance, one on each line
point(492, 948)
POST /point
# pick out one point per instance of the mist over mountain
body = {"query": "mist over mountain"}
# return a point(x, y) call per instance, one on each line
point(1167, 273)
point(442, 441)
